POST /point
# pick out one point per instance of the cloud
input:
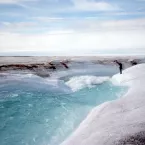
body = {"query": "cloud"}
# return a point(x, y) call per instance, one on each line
point(13, 1)
point(72, 43)
point(134, 24)
point(88, 5)
point(58, 24)
point(85, 26)
point(18, 26)
point(94, 25)
point(9, 1)
point(79, 25)
point(48, 19)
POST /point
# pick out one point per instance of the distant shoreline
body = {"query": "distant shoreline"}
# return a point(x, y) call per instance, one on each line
point(34, 59)
point(41, 65)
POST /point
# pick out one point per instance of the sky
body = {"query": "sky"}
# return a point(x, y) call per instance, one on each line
point(72, 27)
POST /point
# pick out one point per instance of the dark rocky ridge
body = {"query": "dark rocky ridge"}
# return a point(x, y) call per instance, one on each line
point(40, 69)
point(41, 66)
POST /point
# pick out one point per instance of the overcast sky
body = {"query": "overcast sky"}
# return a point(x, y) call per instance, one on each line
point(72, 27)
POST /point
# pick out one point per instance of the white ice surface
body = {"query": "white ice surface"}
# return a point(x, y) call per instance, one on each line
point(79, 82)
point(112, 121)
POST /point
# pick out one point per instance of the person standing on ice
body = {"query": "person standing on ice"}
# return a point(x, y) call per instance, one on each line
point(120, 66)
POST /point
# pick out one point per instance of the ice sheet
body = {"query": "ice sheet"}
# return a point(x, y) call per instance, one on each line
point(114, 121)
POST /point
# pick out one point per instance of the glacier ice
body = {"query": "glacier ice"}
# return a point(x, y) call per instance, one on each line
point(113, 121)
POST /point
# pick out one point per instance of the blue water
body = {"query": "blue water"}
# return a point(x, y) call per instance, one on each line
point(33, 111)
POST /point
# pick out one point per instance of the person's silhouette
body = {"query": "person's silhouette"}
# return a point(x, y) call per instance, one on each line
point(120, 66)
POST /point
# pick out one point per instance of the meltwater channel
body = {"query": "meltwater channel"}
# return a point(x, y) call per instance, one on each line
point(38, 111)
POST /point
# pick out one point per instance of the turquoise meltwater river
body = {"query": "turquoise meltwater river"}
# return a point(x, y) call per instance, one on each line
point(38, 111)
